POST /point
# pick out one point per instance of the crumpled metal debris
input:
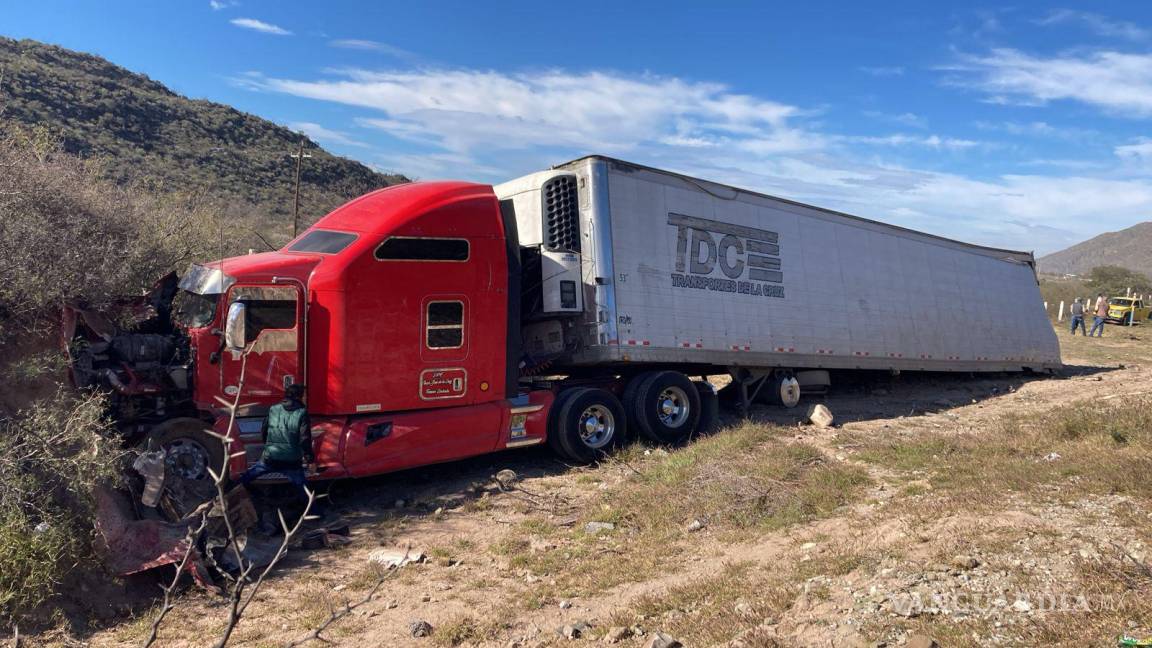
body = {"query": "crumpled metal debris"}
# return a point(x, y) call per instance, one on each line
point(150, 465)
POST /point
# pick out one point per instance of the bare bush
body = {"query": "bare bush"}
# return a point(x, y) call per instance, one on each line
point(66, 235)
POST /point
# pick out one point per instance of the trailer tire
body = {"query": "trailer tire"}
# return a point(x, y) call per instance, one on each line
point(709, 408)
point(628, 398)
point(590, 422)
point(191, 449)
point(782, 390)
point(666, 406)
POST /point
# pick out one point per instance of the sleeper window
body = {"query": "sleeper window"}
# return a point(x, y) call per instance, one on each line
point(445, 325)
point(398, 248)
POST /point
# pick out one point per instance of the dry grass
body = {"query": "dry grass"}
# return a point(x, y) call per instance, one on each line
point(1073, 451)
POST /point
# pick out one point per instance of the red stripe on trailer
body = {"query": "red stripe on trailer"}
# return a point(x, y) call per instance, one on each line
point(862, 353)
point(647, 343)
point(632, 342)
point(686, 345)
point(895, 355)
point(699, 345)
point(785, 349)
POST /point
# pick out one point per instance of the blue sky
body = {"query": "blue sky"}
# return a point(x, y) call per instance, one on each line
point(1024, 126)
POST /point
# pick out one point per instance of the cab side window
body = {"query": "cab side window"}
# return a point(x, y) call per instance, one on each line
point(444, 328)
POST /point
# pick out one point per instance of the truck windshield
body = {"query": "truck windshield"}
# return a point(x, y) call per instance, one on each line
point(323, 241)
point(1119, 301)
point(193, 311)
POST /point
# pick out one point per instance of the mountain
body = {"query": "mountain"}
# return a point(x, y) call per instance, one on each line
point(1129, 248)
point(148, 134)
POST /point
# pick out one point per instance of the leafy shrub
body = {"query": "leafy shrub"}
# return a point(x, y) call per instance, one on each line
point(51, 457)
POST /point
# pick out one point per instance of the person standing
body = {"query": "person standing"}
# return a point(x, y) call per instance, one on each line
point(1101, 315)
point(1077, 311)
point(287, 445)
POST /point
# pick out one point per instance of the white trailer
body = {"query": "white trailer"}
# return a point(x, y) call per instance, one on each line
point(642, 267)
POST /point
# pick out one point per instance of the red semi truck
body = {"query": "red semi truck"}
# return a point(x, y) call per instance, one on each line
point(435, 321)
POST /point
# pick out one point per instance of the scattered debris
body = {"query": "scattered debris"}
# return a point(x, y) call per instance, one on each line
point(150, 465)
point(574, 630)
point(507, 479)
point(395, 557)
point(420, 628)
point(695, 525)
point(564, 605)
point(820, 415)
point(1052, 456)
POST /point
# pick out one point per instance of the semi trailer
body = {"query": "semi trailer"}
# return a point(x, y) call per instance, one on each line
point(574, 307)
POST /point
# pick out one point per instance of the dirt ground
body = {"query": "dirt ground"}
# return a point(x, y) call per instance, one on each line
point(919, 545)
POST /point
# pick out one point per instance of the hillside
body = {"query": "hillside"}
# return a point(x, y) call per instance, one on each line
point(1128, 248)
point(144, 132)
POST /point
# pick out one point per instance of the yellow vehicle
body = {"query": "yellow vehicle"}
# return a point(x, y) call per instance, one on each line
point(1121, 308)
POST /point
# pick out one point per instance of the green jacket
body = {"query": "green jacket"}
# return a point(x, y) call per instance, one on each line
point(287, 433)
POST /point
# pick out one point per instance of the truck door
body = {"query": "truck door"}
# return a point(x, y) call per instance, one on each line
point(264, 339)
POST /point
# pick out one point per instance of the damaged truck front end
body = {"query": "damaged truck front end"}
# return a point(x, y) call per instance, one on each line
point(144, 356)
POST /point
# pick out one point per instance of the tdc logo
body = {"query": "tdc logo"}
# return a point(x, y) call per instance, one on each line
point(740, 252)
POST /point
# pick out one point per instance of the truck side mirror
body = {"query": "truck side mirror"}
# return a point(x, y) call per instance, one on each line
point(234, 325)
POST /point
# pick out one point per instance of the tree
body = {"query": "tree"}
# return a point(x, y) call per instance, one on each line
point(1116, 280)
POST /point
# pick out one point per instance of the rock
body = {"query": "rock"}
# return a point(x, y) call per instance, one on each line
point(743, 609)
point(694, 526)
point(420, 628)
point(820, 415)
point(574, 630)
point(1021, 606)
point(597, 527)
point(808, 546)
point(391, 605)
point(965, 562)
point(564, 605)
point(617, 634)
point(1052, 456)
point(661, 640)
point(921, 641)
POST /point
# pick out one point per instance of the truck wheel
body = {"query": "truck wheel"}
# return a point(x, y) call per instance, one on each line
point(709, 408)
point(191, 449)
point(667, 407)
point(590, 422)
point(782, 390)
point(553, 416)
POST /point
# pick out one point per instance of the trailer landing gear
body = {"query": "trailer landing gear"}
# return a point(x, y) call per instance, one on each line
point(774, 387)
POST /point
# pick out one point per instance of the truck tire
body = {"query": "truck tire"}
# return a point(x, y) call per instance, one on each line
point(709, 408)
point(666, 406)
point(590, 422)
point(190, 448)
point(553, 436)
point(628, 398)
point(782, 390)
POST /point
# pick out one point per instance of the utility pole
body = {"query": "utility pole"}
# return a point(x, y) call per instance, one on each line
point(299, 155)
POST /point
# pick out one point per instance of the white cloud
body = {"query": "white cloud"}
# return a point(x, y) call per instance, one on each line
point(927, 141)
point(217, 5)
point(325, 135)
point(1115, 81)
point(260, 26)
point(905, 119)
point(494, 126)
point(462, 110)
point(373, 46)
point(1097, 24)
point(1039, 129)
point(883, 71)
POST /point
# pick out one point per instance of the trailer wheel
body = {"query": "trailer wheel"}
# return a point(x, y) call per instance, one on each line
point(782, 390)
point(709, 408)
point(190, 449)
point(589, 422)
point(666, 406)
